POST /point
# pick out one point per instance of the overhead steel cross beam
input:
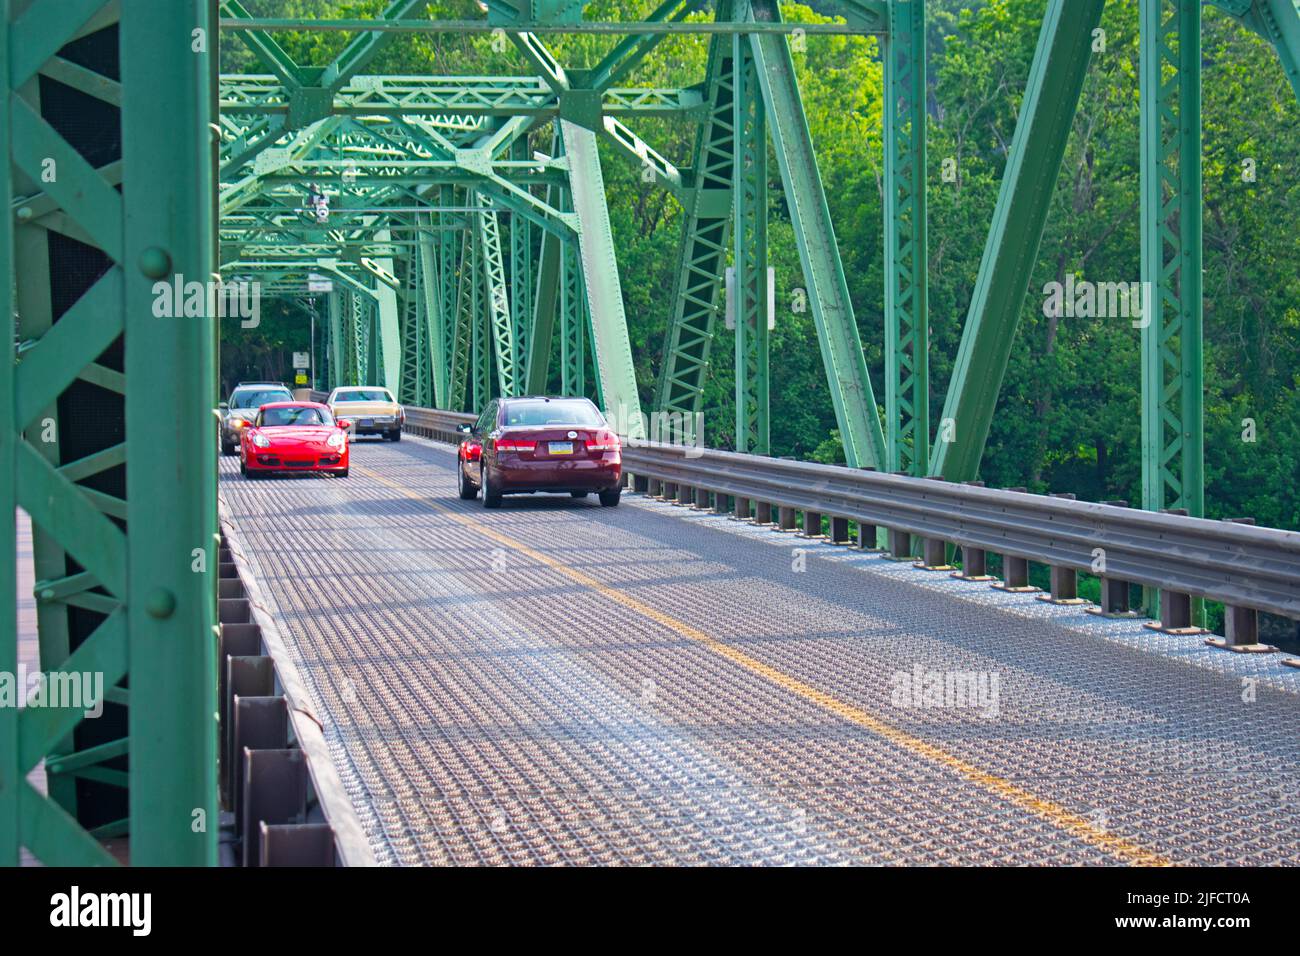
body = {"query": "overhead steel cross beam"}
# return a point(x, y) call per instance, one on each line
point(1037, 149)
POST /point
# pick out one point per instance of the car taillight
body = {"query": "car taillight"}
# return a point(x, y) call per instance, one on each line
point(604, 441)
point(515, 444)
point(472, 451)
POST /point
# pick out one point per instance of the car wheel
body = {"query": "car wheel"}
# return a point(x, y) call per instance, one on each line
point(578, 494)
point(491, 498)
point(344, 472)
point(227, 449)
point(243, 468)
point(395, 436)
point(467, 491)
point(609, 499)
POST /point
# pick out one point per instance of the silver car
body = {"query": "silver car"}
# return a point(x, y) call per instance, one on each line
point(242, 408)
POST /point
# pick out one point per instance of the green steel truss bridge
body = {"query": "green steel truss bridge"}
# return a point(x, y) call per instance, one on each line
point(450, 237)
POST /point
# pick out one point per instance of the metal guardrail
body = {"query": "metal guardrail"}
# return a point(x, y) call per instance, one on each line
point(1248, 568)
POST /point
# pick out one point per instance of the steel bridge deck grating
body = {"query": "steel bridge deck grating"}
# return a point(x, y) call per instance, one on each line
point(484, 706)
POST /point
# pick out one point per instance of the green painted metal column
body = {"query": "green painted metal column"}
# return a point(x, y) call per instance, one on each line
point(706, 230)
point(496, 298)
point(521, 277)
point(614, 366)
point(1173, 441)
point(828, 292)
point(338, 361)
point(1046, 114)
point(750, 308)
point(170, 607)
point(907, 321)
point(11, 775)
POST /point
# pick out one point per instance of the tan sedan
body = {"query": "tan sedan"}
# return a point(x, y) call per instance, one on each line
point(371, 409)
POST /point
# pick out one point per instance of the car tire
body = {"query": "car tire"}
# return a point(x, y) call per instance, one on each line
point(344, 472)
point(243, 468)
point(578, 494)
point(467, 491)
point(395, 436)
point(227, 449)
point(491, 499)
point(609, 499)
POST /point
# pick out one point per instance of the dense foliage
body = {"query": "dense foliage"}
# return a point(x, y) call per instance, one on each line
point(1069, 416)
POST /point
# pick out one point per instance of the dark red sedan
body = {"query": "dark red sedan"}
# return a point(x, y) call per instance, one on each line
point(529, 445)
point(294, 437)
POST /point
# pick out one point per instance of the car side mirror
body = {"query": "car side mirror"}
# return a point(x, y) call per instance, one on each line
point(465, 429)
point(344, 423)
point(224, 406)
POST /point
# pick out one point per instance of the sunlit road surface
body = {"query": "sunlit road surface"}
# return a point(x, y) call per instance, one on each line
point(556, 682)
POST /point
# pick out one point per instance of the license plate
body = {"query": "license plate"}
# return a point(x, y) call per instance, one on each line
point(367, 423)
point(561, 448)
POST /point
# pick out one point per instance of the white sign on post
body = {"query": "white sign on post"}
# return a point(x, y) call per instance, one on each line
point(301, 360)
point(317, 283)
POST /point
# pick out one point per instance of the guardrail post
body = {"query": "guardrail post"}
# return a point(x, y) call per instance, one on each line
point(1065, 587)
point(812, 524)
point(1175, 615)
point(685, 494)
point(275, 791)
point(640, 484)
point(654, 487)
point(785, 517)
point(1015, 575)
point(839, 530)
point(1241, 624)
point(900, 545)
point(868, 536)
point(742, 512)
point(721, 503)
point(934, 555)
point(974, 565)
point(762, 512)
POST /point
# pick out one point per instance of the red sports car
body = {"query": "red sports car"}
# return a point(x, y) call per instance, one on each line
point(527, 445)
point(294, 437)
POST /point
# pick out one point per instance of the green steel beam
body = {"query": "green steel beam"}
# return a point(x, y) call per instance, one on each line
point(828, 292)
point(388, 347)
point(264, 46)
point(907, 336)
point(631, 50)
point(170, 610)
point(12, 777)
point(604, 293)
point(364, 47)
point(750, 308)
point(1173, 438)
point(706, 229)
point(521, 278)
point(496, 301)
point(1037, 149)
point(546, 298)
point(461, 340)
point(542, 28)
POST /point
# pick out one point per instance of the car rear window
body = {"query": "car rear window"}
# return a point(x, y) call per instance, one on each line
point(256, 398)
point(554, 413)
point(295, 415)
point(363, 395)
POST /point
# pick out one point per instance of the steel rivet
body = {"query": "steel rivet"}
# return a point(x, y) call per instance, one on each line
point(161, 603)
point(24, 213)
point(155, 262)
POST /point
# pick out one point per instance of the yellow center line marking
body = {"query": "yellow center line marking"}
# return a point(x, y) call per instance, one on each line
point(1072, 823)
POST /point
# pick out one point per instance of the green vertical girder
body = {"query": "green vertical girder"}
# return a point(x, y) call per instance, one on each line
point(338, 340)
point(462, 337)
point(1037, 149)
point(171, 610)
point(573, 324)
point(416, 386)
point(106, 558)
point(614, 366)
point(496, 298)
point(828, 292)
point(706, 230)
point(479, 324)
point(521, 277)
point(430, 291)
point(907, 322)
point(450, 245)
point(750, 307)
point(387, 347)
point(545, 306)
point(11, 775)
point(1173, 440)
